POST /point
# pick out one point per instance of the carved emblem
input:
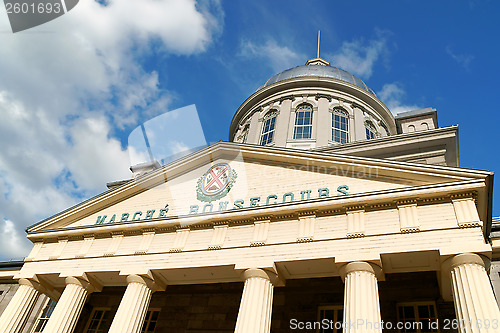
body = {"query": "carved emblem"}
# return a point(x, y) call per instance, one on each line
point(215, 183)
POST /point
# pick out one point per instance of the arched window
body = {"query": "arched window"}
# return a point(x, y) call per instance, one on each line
point(268, 128)
point(303, 122)
point(411, 128)
point(340, 126)
point(371, 132)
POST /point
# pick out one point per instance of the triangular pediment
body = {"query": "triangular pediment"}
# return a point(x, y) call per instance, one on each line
point(228, 177)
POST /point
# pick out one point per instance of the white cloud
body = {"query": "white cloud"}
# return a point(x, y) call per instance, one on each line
point(65, 84)
point(178, 147)
point(11, 243)
point(393, 94)
point(359, 56)
point(279, 57)
point(463, 60)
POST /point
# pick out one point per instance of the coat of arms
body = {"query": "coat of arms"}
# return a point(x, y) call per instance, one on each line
point(215, 183)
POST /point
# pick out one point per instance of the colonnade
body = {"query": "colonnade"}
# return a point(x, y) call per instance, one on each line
point(472, 294)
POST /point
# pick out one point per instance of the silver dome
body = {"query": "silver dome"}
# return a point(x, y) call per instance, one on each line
point(318, 70)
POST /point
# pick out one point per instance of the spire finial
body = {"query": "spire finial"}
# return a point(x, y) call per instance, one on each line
point(319, 31)
point(318, 60)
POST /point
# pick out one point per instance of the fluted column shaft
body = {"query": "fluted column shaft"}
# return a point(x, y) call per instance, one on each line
point(133, 306)
point(475, 304)
point(69, 306)
point(256, 303)
point(19, 308)
point(361, 301)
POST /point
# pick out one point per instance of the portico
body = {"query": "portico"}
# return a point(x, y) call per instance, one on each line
point(419, 219)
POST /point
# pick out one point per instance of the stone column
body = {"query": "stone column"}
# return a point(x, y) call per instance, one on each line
point(69, 306)
point(361, 301)
point(130, 315)
point(256, 302)
point(19, 307)
point(475, 304)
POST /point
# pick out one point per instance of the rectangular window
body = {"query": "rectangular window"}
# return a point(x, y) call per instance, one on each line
point(44, 316)
point(303, 125)
point(334, 315)
point(99, 321)
point(417, 317)
point(150, 321)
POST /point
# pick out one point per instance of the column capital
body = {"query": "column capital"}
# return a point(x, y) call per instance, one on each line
point(150, 281)
point(469, 258)
point(30, 283)
point(255, 272)
point(85, 282)
point(361, 266)
point(39, 284)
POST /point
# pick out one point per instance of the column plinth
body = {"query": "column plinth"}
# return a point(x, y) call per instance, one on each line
point(69, 306)
point(133, 306)
point(361, 301)
point(475, 303)
point(256, 303)
point(19, 308)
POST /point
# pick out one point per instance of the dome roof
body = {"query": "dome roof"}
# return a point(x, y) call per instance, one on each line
point(318, 70)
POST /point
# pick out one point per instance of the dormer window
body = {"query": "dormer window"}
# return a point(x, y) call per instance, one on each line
point(303, 122)
point(371, 132)
point(340, 126)
point(268, 128)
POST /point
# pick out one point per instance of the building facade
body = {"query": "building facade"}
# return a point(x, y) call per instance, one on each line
point(324, 213)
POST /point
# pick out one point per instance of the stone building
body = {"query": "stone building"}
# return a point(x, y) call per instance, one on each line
point(323, 209)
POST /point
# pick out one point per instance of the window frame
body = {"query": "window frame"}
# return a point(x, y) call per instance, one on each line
point(48, 302)
point(147, 320)
point(335, 308)
point(94, 310)
point(296, 126)
point(370, 128)
point(341, 113)
point(270, 115)
point(415, 306)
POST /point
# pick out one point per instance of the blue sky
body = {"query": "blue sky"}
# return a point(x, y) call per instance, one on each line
point(72, 90)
